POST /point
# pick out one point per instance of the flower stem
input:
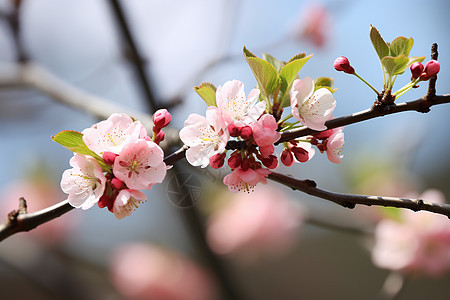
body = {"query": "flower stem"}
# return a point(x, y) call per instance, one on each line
point(284, 119)
point(289, 126)
point(368, 84)
point(406, 88)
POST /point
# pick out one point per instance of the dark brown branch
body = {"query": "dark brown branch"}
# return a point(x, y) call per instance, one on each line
point(350, 201)
point(432, 83)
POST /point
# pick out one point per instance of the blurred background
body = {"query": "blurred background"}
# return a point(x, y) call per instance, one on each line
point(297, 248)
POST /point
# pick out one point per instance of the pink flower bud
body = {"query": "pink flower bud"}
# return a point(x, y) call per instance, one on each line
point(109, 158)
point(217, 160)
point(270, 162)
point(416, 69)
point(159, 137)
point(432, 68)
point(342, 64)
point(116, 183)
point(161, 118)
point(266, 150)
point(234, 130)
point(246, 132)
point(235, 160)
point(300, 154)
point(287, 158)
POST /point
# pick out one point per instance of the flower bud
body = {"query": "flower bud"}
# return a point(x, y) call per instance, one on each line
point(342, 64)
point(246, 132)
point(432, 68)
point(287, 158)
point(116, 183)
point(300, 154)
point(245, 164)
point(266, 150)
point(217, 160)
point(109, 158)
point(234, 130)
point(161, 118)
point(159, 137)
point(235, 160)
point(416, 69)
point(270, 162)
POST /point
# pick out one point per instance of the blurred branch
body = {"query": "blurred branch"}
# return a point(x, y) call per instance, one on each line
point(350, 201)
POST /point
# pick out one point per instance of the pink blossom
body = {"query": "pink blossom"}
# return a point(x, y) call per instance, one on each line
point(417, 243)
point(335, 144)
point(85, 182)
point(205, 136)
point(161, 118)
point(140, 164)
point(126, 202)
point(112, 134)
point(240, 180)
point(264, 131)
point(266, 150)
point(146, 272)
point(263, 222)
point(312, 108)
point(235, 107)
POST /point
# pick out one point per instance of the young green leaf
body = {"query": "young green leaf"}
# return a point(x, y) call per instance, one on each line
point(265, 73)
point(324, 81)
point(395, 65)
point(273, 61)
point(207, 91)
point(289, 73)
point(378, 43)
point(73, 140)
point(401, 45)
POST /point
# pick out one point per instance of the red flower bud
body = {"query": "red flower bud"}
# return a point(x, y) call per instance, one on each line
point(109, 158)
point(159, 137)
point(217, 160)
point(246, 132)
point(235, 160)
point(416, 69)
point(116, 183)
point(245, 164)
point(161, 118)
point(300, 154)
point(287, 158)
point(234, 130)
point(342, 64)
point(270, 162)
point(432, 68)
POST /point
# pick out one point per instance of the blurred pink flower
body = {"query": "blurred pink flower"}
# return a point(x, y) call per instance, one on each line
point(263, 222)
point(315, 24)
point(417, 243)
point(39, 193)
point(143, 271)
point(235, 107)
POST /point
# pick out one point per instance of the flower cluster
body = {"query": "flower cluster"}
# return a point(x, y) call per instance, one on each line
point(118, 160)
point(248, 128)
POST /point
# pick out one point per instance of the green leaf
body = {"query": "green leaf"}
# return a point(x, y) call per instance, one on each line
point(401, 45)
point(265, 73)
point(207, 91)
point(414, 59)
point(324, 81)
point(395, 65)
point(392, 213)
point(289, 73)
point(378, 43)
point(273, 61)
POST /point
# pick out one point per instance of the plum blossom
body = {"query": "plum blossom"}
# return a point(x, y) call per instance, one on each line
point(126, 202)
point(145, 272)
point(140, 164)
point(235, 107)
point(312, 108)
point(417, 243)
point(335, 144)
point(240, 180)
point(265, 222)
point(205, 136)
point(113, 134)
point(85, 182)
point(264, 131)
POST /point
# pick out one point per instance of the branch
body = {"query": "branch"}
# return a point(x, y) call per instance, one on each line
point(350, 201)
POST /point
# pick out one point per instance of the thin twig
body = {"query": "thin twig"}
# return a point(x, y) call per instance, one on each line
point(350, 200)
